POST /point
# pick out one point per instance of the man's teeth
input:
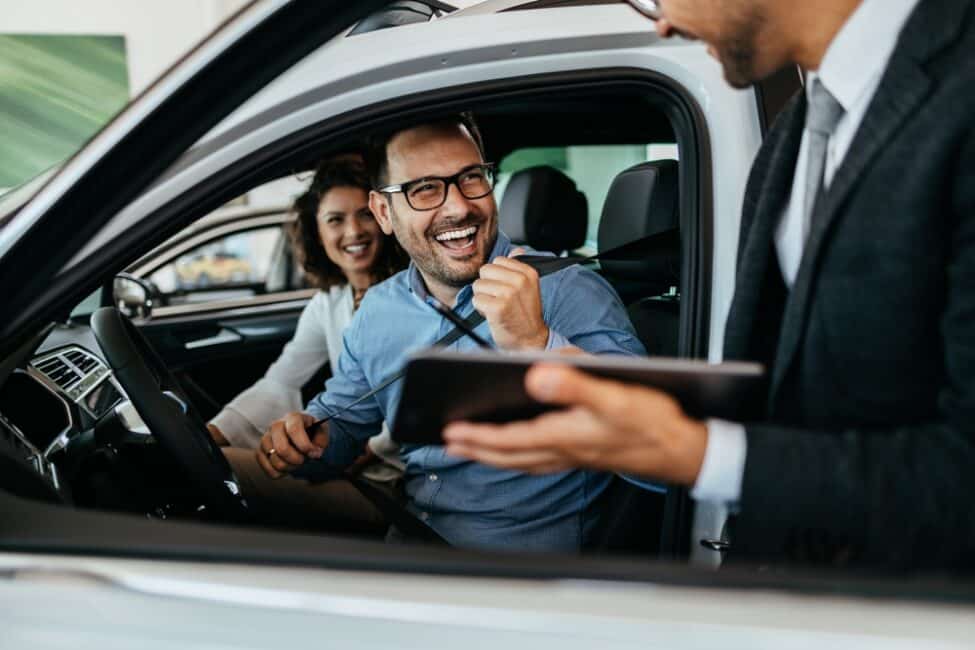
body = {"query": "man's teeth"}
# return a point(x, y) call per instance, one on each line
point(356, 248)
point(456, 234)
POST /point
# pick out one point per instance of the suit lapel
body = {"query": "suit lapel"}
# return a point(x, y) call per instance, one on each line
point(904, 87)
point(763, 207)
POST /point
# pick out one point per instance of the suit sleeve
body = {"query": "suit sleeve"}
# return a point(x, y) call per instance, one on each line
point(898, 498)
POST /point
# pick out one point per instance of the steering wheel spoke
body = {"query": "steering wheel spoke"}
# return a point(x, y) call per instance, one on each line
point(162, 404)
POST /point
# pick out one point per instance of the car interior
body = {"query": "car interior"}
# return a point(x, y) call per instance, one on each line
point(100, 431)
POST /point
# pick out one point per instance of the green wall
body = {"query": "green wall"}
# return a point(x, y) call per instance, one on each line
point(55, 93)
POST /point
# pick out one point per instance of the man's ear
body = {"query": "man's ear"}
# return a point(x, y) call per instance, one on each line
point(379, 207)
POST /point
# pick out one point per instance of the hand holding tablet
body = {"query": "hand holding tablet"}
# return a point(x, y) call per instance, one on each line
point(443, 387)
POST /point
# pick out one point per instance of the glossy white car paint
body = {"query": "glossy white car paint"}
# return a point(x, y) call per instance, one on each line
point(81, 603)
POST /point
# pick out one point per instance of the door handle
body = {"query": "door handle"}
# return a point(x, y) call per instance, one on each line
point(222, 337)
point(719, 545)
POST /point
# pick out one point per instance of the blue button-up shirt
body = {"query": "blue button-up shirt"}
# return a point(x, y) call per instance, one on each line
point(467, 503)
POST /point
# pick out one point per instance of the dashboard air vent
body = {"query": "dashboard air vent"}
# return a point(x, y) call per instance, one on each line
point(58, 371)
point(73, 369)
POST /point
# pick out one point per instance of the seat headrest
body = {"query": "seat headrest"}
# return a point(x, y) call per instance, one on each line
point(642, 201)
point(541, 207)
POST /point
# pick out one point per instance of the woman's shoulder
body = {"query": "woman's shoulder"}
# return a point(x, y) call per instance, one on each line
point(330, 301)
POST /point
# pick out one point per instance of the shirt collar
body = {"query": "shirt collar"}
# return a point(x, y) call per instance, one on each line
point(860, 52)
point(502, 246)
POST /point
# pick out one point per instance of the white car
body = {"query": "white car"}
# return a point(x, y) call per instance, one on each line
point(100, 546)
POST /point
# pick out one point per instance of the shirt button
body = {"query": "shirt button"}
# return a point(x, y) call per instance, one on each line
point(433, 477)
point(424, 516)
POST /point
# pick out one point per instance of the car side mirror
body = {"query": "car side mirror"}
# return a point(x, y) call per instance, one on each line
point(132, 296)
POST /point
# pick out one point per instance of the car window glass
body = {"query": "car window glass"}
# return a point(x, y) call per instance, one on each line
point(592, 167)
point(238, 265)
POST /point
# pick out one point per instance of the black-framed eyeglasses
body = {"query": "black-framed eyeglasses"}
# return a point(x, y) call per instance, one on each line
point(649, 8)
point(430, 192)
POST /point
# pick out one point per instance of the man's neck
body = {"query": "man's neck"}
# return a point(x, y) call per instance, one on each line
point(445, 293)
point(815, 25)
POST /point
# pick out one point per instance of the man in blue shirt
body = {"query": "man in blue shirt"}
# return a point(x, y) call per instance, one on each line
point(435, 194)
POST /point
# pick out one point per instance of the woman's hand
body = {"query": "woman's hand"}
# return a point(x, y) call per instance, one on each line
point(217, 435)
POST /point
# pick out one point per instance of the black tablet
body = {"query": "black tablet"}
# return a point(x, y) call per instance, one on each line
point(442, 387)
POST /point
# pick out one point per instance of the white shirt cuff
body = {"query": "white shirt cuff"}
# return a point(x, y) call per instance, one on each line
point(724, 464)
point(237, 429)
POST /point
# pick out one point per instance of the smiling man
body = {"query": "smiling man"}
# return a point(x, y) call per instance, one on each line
point(434, 192)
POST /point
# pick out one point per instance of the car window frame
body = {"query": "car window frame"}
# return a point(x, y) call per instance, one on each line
point(216, 231)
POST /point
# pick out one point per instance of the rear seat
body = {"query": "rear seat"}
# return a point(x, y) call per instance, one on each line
point(643, 201)
point(542, 208)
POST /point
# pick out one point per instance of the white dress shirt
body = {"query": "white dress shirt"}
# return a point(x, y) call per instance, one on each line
point(851, 71)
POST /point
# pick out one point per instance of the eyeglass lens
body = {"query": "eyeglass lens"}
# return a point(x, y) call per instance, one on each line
point(432, 193)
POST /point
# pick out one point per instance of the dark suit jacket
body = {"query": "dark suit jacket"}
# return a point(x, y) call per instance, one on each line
point(867, 452)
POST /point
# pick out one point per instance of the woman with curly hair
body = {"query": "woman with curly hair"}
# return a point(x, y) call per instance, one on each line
point(343, 252)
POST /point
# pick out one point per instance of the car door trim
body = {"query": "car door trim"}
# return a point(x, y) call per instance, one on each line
point(258, 305)
point(149, 266)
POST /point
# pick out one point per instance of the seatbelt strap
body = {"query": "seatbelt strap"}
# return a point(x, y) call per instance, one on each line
point(394, 512)
point(545, 265)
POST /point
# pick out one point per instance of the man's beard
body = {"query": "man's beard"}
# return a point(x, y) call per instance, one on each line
point(433, 263)
point(738, 52)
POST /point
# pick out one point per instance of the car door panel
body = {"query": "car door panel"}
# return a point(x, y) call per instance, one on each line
point(219, 355)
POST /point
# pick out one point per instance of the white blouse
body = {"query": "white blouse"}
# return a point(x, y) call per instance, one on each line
point(317, 339)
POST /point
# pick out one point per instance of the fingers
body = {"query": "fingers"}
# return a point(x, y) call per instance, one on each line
point(543, 445)
point(664, 28)
point(290, 444)
point(533, 462)
point(272, 464)
point(295, 428)
point(571, 351)
point(509, 270)
point(496, 288)
point(548, 431)
point(217, 435)
point(609, 399)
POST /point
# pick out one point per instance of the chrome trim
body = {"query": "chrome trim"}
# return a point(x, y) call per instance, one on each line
point(101, 369)
point(280, 301)
point(206, 236)
point(224, 336)
point(129, 417)
point(179, 400)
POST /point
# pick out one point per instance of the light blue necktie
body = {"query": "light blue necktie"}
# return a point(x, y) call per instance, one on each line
point(824, 113)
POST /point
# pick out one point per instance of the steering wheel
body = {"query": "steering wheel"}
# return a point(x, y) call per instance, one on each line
point(161, 402)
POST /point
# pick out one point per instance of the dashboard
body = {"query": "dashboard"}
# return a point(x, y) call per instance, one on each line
point(60, 393)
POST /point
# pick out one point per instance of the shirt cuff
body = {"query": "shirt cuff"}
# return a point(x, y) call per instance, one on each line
point(724, 464)
point(556, 341)
point(237, 429)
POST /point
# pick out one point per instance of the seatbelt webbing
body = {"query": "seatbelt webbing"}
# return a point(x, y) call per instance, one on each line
point(393, 511)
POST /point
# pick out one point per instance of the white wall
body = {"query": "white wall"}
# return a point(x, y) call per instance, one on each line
point(157, 32)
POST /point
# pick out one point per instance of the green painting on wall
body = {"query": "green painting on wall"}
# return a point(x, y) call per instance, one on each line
point(56, 91)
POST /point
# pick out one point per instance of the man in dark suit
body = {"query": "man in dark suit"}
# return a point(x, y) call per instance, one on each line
point(855, 285)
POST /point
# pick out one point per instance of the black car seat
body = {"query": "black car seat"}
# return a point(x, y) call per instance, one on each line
point(542, 208)
point(643, 201)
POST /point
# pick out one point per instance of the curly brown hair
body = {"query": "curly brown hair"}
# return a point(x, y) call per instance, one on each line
point(321, 271)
